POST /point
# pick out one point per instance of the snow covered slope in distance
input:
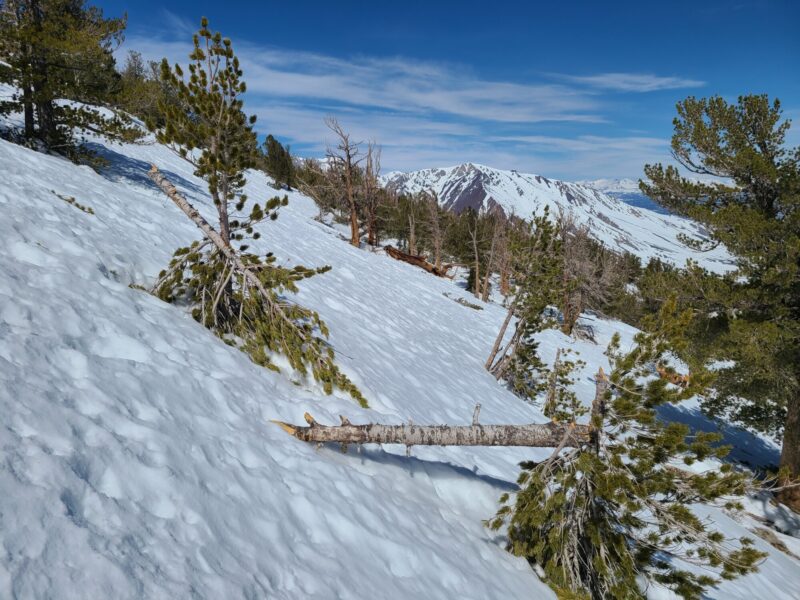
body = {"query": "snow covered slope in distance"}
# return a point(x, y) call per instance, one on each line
point(626, 190)
point(617, 224)
point(138, 460)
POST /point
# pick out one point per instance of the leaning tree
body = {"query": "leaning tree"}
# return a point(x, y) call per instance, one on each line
point(238, 294)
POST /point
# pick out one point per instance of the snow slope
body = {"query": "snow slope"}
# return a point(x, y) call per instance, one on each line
point(617, 224)
point(137, 456)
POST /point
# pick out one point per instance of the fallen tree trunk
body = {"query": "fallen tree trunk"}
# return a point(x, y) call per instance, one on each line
point(533, 435)
point(417, 261)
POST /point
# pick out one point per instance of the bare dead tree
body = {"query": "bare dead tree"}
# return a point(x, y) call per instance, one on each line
point(590, 271)
point(494, 251)
point(437, 232)
point(319, 185)
point(412, 231)
point(346, 157)
point(372, 170)
point(473, 235)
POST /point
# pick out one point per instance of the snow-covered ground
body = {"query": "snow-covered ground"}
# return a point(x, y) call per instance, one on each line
point(138, 460)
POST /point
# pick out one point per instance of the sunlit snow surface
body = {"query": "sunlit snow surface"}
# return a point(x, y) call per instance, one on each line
point(138, 460)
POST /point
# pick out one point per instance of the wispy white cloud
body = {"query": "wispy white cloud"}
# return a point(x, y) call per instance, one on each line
point(395, 84)
point(632, 82)
point(427, 113)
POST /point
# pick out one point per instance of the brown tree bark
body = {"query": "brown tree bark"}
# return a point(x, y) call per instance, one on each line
point(412, 232)
point(500, 335)
point(371, 191)
point(505, 268)
point(474, 235)
point(790, 456)
point(533, 435)
point(346, 155)
point(417, 261)
point(436, 230)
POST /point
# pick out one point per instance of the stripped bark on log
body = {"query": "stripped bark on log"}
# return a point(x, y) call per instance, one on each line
point(532, 435)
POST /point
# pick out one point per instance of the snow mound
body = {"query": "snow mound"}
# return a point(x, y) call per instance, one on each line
point(138, 460)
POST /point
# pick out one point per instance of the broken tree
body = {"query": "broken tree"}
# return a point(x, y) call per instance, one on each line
point(607, 508)
point(417, 261)
point(534, 435)
point(238, 298)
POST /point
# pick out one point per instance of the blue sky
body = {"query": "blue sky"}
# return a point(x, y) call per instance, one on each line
point(573, 90)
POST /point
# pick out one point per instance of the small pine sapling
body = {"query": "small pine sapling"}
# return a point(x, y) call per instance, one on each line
point(536, 264)
point(561, 402)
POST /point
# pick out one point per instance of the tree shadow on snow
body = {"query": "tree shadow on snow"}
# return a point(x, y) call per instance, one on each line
point(125, 168)
point(434, 469)
point(746, 447)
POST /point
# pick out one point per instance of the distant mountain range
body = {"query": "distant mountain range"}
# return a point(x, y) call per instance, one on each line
point(612, 219)
point(626, 190)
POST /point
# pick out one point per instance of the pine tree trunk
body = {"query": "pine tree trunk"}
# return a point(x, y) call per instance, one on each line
point(477, 282)
point(412, 234)
point(45, 115)
point(222, 209)
point(355, 237)
point(27, 103)
point(372, 235)
point(27, 99)
point(505, 287)
point(534, 435)
point(500, 335)
point(500, 368)
point(790, 455)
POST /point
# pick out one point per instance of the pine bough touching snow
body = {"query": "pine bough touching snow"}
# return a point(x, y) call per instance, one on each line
point(231, 291)
point(610, 507)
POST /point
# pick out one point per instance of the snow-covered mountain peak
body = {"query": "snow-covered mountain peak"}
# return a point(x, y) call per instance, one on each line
point(618, 186)
point(619, 225)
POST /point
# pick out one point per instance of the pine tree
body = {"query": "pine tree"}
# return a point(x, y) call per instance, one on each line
point(277, 162)
point(598, 517)
point(536, 263)
point(56, 51)
point(236, 293)
point(750, 317)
